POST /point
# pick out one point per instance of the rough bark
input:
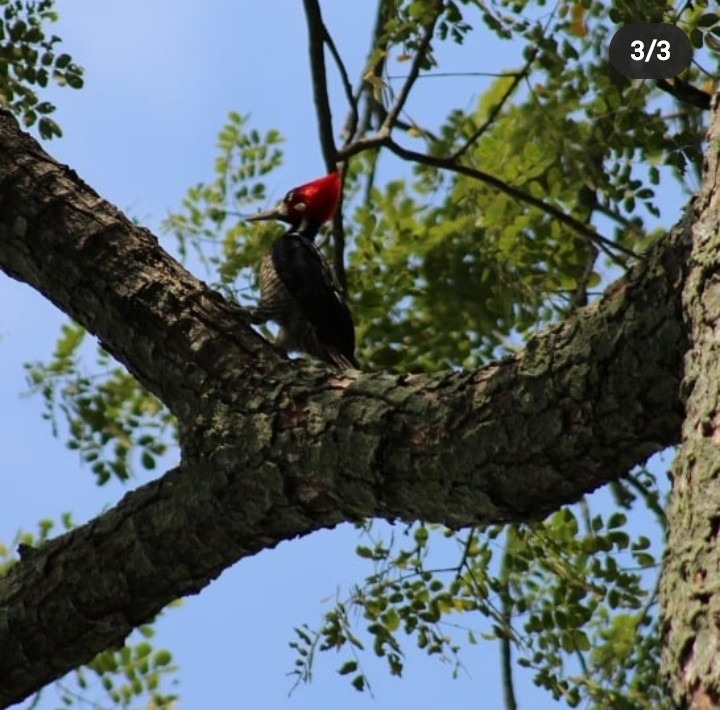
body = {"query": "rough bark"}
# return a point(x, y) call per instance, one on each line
point(273, 449)
point(691, 576)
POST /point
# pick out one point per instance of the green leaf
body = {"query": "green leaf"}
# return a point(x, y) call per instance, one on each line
point(348, 667)
point(162, 658)
point(421, 535)
point(142, 650)
point(616, 520)
point(709, 19)
point(390, 619)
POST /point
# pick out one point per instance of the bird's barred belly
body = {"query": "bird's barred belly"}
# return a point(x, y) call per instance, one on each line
point(277, 304)
point(275, 299)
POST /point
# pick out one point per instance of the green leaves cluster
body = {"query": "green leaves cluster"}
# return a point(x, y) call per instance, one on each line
point(705, 28)
point(402, 26)
point(132, 676)
point(210, 222)
point(569, 595)
point(589, 621)
point(401, 595)
point(30, 61)
point(113, 423)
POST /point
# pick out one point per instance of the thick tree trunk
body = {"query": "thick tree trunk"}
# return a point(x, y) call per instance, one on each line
point(273, 449)
point(691, 576)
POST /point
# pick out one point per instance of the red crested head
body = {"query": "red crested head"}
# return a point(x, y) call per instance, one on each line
point(312, 203)
point(319, 197)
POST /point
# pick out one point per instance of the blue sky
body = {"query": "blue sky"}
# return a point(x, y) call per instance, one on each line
point(161, 77)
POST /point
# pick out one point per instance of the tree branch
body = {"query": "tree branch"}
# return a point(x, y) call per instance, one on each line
point(317, 37)
point(506, 668)
point(356, 144)
point(316, 44)
point(273, 449)
point(690, 603)
point(92, 262)
point(685, 92)
point(447, 163)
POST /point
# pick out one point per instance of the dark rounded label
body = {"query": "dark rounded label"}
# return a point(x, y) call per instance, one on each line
point(647, 50)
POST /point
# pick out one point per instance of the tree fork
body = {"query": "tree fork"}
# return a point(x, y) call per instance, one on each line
point(273, 449)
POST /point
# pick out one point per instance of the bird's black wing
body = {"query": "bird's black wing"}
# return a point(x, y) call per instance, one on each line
point(307, 276)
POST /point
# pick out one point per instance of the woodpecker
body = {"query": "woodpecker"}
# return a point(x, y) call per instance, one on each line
point(298, 289)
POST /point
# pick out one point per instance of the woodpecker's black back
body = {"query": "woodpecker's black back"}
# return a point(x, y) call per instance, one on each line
point(299, 291)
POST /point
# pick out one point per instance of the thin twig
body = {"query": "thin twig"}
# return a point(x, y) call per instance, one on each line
point(352, 131)
point(338, 232)
point(466, 551)
point(381, 113)
point(370, 181)
point(414, 72)
point(413, 126)
point(352, 121)
point(685, 92)
point(649, 500)
point(587, 199)
point(361, 145)
point(604, 244)
point(456, 74)
point(623, 221)
point(506, 609)
point(497, 108)
point(580, 297)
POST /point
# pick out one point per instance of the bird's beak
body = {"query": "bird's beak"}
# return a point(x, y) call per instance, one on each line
point(278, 212)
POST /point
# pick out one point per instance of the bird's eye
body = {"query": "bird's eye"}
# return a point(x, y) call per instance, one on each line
point(289, 198)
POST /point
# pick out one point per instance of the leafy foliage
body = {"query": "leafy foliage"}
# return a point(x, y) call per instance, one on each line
point(211, 210)
point(111, 421)
point(131, 675)
point(569, 594)
point(29, 61)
